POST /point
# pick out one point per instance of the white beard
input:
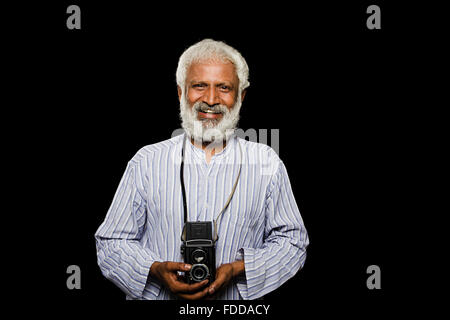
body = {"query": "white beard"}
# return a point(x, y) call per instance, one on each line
point(209, 130)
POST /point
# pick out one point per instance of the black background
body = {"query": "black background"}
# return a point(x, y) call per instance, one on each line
point(336, 91)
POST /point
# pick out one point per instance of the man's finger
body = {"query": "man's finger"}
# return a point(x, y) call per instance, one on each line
point(181, 287)
point(216, 285)
point(194, 296)
point(178, 266)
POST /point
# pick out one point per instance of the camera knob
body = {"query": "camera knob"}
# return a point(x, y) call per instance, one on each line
point(182, 249)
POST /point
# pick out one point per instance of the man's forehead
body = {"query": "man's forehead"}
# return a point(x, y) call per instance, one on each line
point(221, 71)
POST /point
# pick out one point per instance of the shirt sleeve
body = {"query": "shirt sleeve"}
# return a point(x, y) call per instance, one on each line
point(120, 254)
point(283, 252)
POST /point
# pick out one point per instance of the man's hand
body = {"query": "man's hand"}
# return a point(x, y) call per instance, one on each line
point(166, 272)
point(224, 274)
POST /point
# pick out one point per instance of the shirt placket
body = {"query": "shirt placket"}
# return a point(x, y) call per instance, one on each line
point(205, 203)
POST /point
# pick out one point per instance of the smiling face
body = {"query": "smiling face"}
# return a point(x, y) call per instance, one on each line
point(213, 84)
point(211, 100)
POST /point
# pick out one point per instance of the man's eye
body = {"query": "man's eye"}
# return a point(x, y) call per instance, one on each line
point(225, 88)
point(198, 85)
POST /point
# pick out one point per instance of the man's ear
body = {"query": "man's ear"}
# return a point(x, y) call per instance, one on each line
point(243, 95)
point(179, 92)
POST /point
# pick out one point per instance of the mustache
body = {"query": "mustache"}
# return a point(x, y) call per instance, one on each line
point(204, 107)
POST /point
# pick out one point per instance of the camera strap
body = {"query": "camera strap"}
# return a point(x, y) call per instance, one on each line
point(183, 191)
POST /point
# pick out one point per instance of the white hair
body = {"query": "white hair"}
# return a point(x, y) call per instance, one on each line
point(211, 50)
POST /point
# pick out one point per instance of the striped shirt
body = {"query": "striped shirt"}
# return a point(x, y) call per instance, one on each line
point(262, 224)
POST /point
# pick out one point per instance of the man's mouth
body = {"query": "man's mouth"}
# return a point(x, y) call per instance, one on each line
point(210, 111)
point(209, 114)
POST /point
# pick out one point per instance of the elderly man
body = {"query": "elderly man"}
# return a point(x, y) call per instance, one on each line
point(205, 174)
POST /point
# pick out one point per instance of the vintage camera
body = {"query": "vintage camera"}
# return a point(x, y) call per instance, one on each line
point(198, 249)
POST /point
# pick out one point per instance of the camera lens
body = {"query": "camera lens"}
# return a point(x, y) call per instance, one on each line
point(199, 272)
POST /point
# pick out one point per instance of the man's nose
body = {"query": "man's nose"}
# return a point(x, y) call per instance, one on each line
point(211, 97)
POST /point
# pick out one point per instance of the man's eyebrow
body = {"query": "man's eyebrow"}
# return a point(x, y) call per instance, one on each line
point(227, 83)
point(196, 81)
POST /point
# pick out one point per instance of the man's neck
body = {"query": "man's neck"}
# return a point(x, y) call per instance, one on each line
point(210, 148)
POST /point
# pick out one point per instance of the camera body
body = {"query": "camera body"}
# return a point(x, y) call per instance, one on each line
point(198, 249)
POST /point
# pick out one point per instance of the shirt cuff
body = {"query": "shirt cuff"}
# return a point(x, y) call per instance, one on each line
point(152, 284)
point(251, 285)
point(141, 276)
